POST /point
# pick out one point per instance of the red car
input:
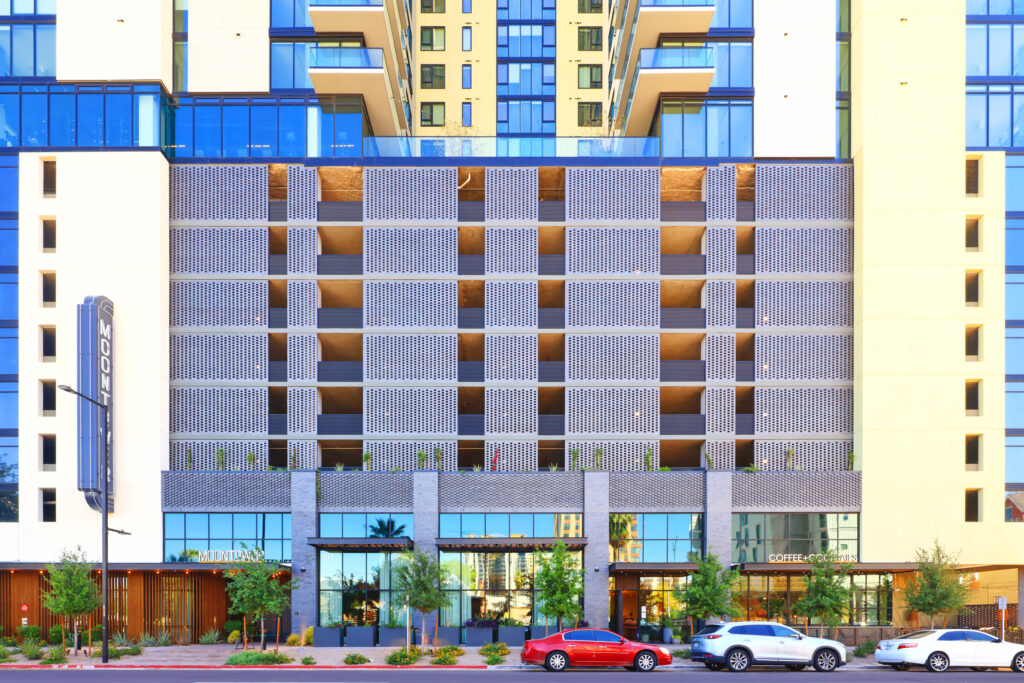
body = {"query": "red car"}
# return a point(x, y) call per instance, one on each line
point(592, 647)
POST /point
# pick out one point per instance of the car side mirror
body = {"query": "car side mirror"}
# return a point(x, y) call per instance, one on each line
point(623, 641)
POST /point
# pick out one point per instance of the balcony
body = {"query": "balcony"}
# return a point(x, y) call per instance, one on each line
point(360, 71)
point(471, 425)
point(745, 424)
point(682, 424)
point(514, 148)
point(682, 371)
point(648, 21)
point(277, 423)
point(339, 264)
point(682, 318)
point(342, 318)
point(683, 264)
point(662, 70)
point(551, 425)
point(278, 371)
point(334, 424)
point(471, 371)
point(551, 371)
point(339, 371)
point(277, 318)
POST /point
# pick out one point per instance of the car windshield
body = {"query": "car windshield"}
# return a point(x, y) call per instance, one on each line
point(915, 635)
point(709, 629)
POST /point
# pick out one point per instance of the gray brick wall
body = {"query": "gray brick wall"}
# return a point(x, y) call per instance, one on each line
point(304, 527)
point(595, 555)
point(425, 525)
point(718, 515)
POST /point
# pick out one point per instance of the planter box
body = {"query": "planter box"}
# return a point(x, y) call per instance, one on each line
point(478, 636)
point(326, 636)
point(513, 636)
point(392, 637)
point(447, 635)
point(361, 636)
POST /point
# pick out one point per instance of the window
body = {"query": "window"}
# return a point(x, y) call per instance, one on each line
point(972, 506)
point(49, 289)
point(761, 597)
point(27, 50)
point(972, 452)
point(972, 334)
point(706, 128)
point(432, 38)
point(48, 396)
point(354, 588)
point(526, 10)
point(972, 397)
point(49, 508)
point(48, 443)
point(982, 637)
point(432, 76)
point(526, 116)
point(467, 113)
point(588, 114)
point(49, 235)
point(758, 536)
point(589, 76)
point(590, 7)
point(432, 114)
point(363, 525)
point(432, 6)
point(524, 41)
point(180, 79)
point(49, 178)
point(972, 288)
point(467, 76)
point(467, 6)
point(516, 525)
point(589, 38)
point(467, 38)
point(733, 14)
point(954, 635)
point(971, 242)
point(49, 339)
point(188, 534)
point(581, 635)
point(641, 537)
point(972, 177)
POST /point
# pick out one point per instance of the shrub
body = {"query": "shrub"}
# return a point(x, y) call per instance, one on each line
point(681, 654)
point(865, 650)
point(8, 642)
point(121, 640)
point(403, 657)
point(54, 636)
point(444, 659)
point(147, 640)
point(500, 649)
point(233, 637)
point(307, 636)
point(233, 625)
point(354, 658)
point(163, 639)
point(454, 650)
point(30, 632)
point(308, 661)
point(494, 659)
point(32, 649)
point(118, 652)
point(293, 639)
point(55, 655)
point(253, 658)
point(5, 656)
point(210, 637)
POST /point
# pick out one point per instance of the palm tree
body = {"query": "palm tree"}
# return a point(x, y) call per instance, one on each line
point(386, 528)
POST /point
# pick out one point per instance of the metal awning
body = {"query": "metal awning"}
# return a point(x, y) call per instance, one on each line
point(518, 543)
point(399, 543)
point(804, 567)
point(651, 567)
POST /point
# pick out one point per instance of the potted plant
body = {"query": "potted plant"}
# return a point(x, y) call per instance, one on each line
point(391, 634)
point(511, 632)
point(479, 631)
point(329, 635)
point(666, 628)
point(360, 636)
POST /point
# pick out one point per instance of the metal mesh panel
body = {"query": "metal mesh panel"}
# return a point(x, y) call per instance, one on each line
point(218, 455)
point(721, 303)
point(227, 410)
point(375, 491)
point(720, 193)
point(612, 251)
point(510, 411)
point(615, 456)
point(803, 250)
point(612, 411)
point(720, 357)
point(303, 193)
point(803, 192)
point(721, 250)
point(411, 357)
point(226, 491)
point(511, 491)
point(510, 358)
point(218, 304)
point(216, 192)
point(220, 251)
point(510, 195)
point(656, 492)
point(219, 357)
point(303, 455)
point(510, 304)
point(803, 455)
point(612, 358)
point(511, 456)
point(303, 353)
point(790, 411)
point(303, 247)
point(608, 195)
point(411, 304)
point(303, 300)
point(410, 195)
point(387, 456)
point(411, 251)
point(803, 304)
point(303, 407)
point(510, 251)
point(796, 491)
point(410, 411)
point(803, 356)
point(612, 304)
point(722, 454)
point(720, 409)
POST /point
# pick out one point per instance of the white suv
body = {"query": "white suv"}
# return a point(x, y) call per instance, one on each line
point(740, 644)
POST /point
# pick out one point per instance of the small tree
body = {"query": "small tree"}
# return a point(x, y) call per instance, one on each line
point(559, 585)
point(828, 591)
point(936, 587)
point(420, 581)
point(255, 592)
point(709, 591)
point(73, 593)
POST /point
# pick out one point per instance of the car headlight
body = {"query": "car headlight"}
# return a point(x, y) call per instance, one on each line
point(664, 651)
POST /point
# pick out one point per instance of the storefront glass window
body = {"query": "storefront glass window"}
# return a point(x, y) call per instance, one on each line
point(655, 537)
point(363, 525)
point(187, 535)
point(792, 537)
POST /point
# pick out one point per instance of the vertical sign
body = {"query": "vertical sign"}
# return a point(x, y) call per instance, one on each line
point(95, 380)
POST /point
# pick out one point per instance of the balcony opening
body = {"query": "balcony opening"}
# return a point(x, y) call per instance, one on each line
point(972, 288)
point(277, 453)
point(745, 401)
point(471, 411)
point(745, 177)
point(277, 400)
point(681, 401)
point(49, 290)
point(745, 347)
point(277, 182)
point(49, 343)
point(341, 400)
point(973, 397)
point(744, 453)
point(471, 455)
point(680, 453)
point(337, 347)
point(49, 235)
point(683, 184)
point(277, 347)
point(551, 240)
point(278, 293)
point(471, 347)
point(745, 294)
point(972, 337)
point(551, 348)
point(48, 453)
point(551, 294)
point(550, 454)
point(677, 240)
point(471, 244)
point(972, 235)
point(471, 184)
point(277, 240)
point(551, 401)
point(341, 183)
point(745, 241)
point(972, 505)
point(341, 293)
point(973, 171)
point(682, 346)
point(337, 240)
point(551, 184)
point(342, 454)
point(48, 391)
point(471, 294)
point(681, 293)
point(972, 452)
point(48, 507)
point(49, 178)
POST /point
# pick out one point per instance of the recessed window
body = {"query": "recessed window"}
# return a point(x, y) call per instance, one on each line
point(48, 448)
point(432, 76)
point(972, 397)
point(49, 290)
point(49, 504)
point(432, 38)
point(589, 38)
point(48, 390)
point(467, 76)
point(589, 76)
point(432, 114)
point(432, 6)
point(972, 288)
point(50, 178)
point(972, 452)
point(467, 113)
point(590, 7)
point(971, 238)
point(467, 38)
point(49, 343)
point(49, 235)
point(467, 6)
point(972, 177)
point(972, 505)
point(588, 114)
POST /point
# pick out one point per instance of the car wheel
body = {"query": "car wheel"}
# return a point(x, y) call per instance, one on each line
point(714, 666)
point(556, 661)
point(826, 660)
point(795, 667)
point(901, 667)
point(737, 660)
point(645, 661)
point(1018, 663)
point(937, 662)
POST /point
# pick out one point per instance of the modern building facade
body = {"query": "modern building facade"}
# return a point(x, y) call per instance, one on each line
point(657, 279)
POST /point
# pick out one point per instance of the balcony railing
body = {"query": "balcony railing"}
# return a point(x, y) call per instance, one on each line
point(345, 3)
point(693, 57)
point(682, 424)
point(510, 146)
point(656, 3)
point(340, 424)
point(322, 57)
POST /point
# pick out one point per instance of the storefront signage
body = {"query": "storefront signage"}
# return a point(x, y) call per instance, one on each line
point(230, 556)
point(810, 558)
point(95, 380)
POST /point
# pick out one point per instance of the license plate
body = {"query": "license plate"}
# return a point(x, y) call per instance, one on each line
point(698, 644)
point(890, 646)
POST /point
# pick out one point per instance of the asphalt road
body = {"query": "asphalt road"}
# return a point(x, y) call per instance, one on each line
point(450, 676)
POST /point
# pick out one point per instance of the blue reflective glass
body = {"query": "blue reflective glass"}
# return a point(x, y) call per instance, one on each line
point(977, 6)
point(23, 50)
point(291, 131)
point(197, 525)
point(520, 525)
point(679, 551)
point(718, 129)
point(24, 7)
point(1014, 354)
point(330, 525)
point(353, 526)
point(281, 75)
point(1014, 410)
point(9, 304)
point(264, 131)
point(282, 13)
point(300, 66)
point(90, 119)
point(1014, 301)
point(467, 38)
point(449, 526)
point(46, 6)
point(146, 112)
point(1018, 120)
point(272, 526)
point(1014, 186)
point(173, 550)
point(182, 143)
point(467, 76)
point(9, 121)
point(8, 245)
point(46, 50)
point(207, 131)
point(467, 113)
point(35, 131)
point(272, 550)
point(741, 129)
point(236, 131)
point(472, 525)
point(1015, 247)
point(174, 525)
point(1000, 6)
point(655, 551)
point(741, 65)
point(118, 120)
point(8, 183)
point(999, 50)
point(977, 49)
point(348, 134)
point(5, 50)
point(497, 525)
point(672, 133)
point(220, 525)
point(62, 120)
point(694, 130)
point(8, 345)
point(976, 120)
point(245, 525)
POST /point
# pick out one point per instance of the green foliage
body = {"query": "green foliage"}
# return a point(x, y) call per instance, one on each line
point(220, 458)
point(118, 652)
point(575, 459)
point(648, 461)
point(8, 498)
point(500, 649)
point(851, 459)
point(255, 591)
point(597, 457)
point(493, 660)
point(30, 632)
point(233, 625)
point(307, 636)
point(750, 468)
point(437, 458)
point(865, 649)
point(120, 639)
point(292, 640)
point(553, 467)
point(56, 635)
point(308, 661)
point(146, 640)
point(210, 637)
point(385, 528)
point(664, 469)
point(55, 655)
point(354, 658)
point(445, 659)
point(681, 654)
point(403, 657)
point(936, 587)
point(419, 581)
point(72, 593)
point(232, 637)
point(32, 648)
point(421, 460)
point(163, 639)
point(253, 658)
point(708, 593)
point(453, 650)
point(5, 656)
point(559, 584)
point(827, 596)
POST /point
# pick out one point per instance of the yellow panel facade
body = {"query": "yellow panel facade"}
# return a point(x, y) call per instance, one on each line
point(229, 46)
point(911, 370)
point(567, 73)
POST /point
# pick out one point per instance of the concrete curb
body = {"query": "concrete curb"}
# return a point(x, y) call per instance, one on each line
point(262, 667)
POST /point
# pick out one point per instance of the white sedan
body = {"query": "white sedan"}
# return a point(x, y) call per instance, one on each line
point(939, 649)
